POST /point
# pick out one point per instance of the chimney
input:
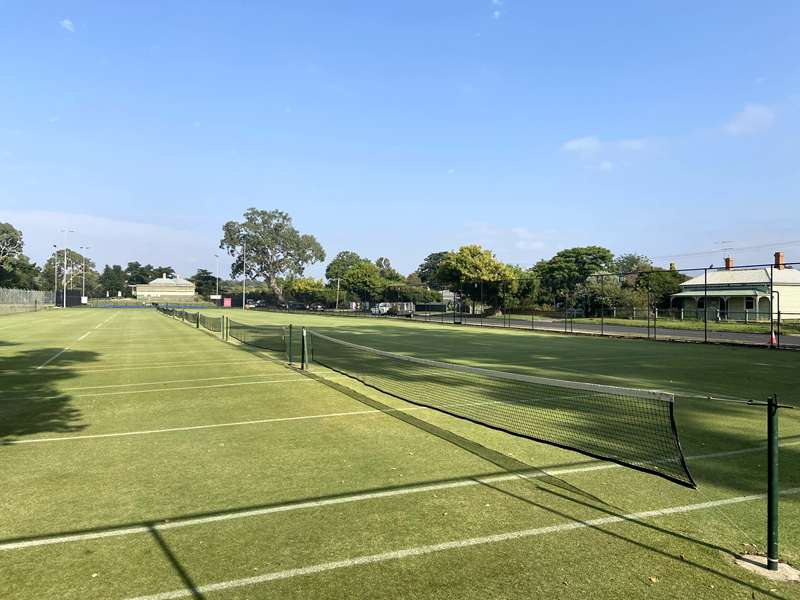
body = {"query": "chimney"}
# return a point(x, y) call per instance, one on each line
point(779, 260)
point(164, 275)
point(673, 266)
point(728, 262)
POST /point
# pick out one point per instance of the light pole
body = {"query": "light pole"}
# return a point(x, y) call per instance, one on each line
point(55, 273)
point(338, 281)
point(64, 281)
point(217, 257)
point(244, 272)
point(83, 272)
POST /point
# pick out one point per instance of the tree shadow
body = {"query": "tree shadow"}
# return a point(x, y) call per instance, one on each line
point(30, 402)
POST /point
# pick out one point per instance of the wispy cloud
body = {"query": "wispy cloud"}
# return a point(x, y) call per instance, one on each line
point(603, 155)
point(68, 25)
point(754, 118)
point(497, 12)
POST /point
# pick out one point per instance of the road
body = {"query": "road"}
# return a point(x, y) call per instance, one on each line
point(752, 339)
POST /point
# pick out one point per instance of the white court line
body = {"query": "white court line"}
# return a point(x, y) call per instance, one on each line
point(346, 499)
point(51, 359)
point(254, 361)
point(454, 545)
point(84, 336)
point(99, 325)
point(123, 385)
point(175, 389)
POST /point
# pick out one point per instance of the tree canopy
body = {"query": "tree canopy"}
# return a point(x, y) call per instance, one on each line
point(274, 248)
point(341, 263)
point(10, 244)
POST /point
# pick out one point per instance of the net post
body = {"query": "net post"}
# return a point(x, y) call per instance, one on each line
point(303, 349)
point(773, 484)
point(290, 344)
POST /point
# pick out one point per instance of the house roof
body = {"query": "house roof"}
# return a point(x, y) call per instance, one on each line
point(758, 276)
point(172, 281)
point(724, 292)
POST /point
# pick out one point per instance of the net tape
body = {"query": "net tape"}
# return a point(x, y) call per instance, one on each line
point(632, 427)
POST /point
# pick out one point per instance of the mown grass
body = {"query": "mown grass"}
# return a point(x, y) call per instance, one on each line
point(136, 372)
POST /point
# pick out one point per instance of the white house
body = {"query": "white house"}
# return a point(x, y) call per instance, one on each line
point(748, 294)
point(165, 289)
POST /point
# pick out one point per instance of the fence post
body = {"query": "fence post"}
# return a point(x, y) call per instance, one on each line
point(290, 344)
point(705, 305)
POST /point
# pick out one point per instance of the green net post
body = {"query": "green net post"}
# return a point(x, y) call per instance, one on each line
point(303, 348)
point(773, 489)
point(290, 344)
point(197, 321)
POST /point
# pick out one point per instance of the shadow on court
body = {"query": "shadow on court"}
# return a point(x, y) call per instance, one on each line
point(30, 402)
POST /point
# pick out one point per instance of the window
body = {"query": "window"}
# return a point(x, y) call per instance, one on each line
point(701, 303)
point(749, 304)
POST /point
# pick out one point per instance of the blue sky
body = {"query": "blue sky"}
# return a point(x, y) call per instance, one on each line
point(403, 128)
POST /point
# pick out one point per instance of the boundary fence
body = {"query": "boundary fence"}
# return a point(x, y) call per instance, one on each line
point(13, 300)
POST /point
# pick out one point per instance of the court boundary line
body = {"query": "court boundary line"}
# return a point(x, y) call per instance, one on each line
point(534, 473)
point(423, 550)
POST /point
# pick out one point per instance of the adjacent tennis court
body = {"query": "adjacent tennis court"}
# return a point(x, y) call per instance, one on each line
point(147, 456)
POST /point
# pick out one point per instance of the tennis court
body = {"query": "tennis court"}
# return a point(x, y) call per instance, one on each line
point(144, 457)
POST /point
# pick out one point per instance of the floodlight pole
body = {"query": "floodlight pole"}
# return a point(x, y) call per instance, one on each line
point(217, 257)
point(338, 281)
point(55, 273)
point(64, 281)
point(244, 272)
point(83, 271)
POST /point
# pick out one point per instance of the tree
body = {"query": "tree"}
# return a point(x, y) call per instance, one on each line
point(386, 269)
point(477, 273)
point(205, 282)
point(631, 263)
point(113, 280)
point(274, 247)
point(307, 289)
point(364, 280)
point(23, 274)
point(76, 263)
point(341, 263)
point(430, 267)
point(568, 268)
point(10, 244)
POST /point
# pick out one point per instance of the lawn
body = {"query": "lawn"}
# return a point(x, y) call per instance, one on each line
point(144, 458)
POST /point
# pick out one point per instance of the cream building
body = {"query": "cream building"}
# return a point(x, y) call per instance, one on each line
point(742, 294)
point(165, 289)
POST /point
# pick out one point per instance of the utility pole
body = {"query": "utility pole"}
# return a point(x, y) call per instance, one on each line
point(64, 281)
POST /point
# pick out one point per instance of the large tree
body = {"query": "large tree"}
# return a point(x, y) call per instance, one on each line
point(205, 282)
point(76, 263)
point(365, 281)
point(113, 280)
point(341, 263)
point(387, 271)
point(430, 267)
point(266, 245)
point(10, 243)
point(477, 273)
point(571, 267)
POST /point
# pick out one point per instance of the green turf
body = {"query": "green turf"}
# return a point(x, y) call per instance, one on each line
point(137, 372)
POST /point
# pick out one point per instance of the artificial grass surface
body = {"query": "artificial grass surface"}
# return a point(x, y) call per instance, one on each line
point(137, 371)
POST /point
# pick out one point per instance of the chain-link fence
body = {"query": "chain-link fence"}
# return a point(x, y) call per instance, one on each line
point(13, 300)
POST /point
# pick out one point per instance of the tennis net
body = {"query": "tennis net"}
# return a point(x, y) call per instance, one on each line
point(277, 338)
point(628, 426)
point(211, 323)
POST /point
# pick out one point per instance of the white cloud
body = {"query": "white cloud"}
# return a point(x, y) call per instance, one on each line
point(525, 239)
point(496, 14)
point(497, 2)
point(605, 165)
point(634, 145)
point(754, 118)
point(584, 145)
point(68, 25)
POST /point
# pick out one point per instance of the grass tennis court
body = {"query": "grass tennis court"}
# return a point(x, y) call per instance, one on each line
point(144, 458)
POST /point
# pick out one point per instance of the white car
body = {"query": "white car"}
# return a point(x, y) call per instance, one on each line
point(380, 309)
